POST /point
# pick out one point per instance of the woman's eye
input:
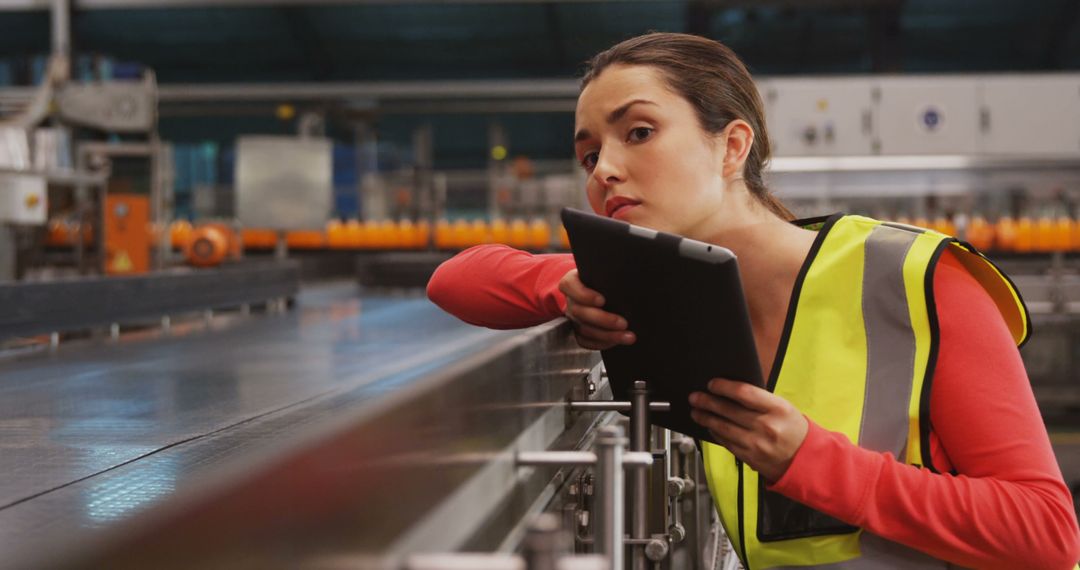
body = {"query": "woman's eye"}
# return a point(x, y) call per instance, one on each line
point(589, 160)
point(639, 134)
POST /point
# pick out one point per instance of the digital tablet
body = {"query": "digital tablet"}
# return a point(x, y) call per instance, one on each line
point(684, 301)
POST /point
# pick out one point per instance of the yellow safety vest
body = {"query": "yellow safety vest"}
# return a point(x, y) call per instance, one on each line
point(857, 357)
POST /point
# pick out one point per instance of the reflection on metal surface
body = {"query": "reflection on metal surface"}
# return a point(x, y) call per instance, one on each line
point(115, 498)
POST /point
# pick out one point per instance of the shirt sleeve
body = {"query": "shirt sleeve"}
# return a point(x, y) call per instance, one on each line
point(499, 287)
point(1007, 506)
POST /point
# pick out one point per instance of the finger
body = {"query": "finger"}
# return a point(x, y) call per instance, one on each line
point(725, 433)
point(595, 317)
point(573, 288)
point(744, 393)
point(592, 344)
point(604, 335)
point(724, 408)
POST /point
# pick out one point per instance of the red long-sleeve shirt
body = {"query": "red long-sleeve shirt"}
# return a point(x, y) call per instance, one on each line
point(1007, 508)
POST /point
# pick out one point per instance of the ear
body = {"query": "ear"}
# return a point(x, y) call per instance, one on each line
point(739, 139)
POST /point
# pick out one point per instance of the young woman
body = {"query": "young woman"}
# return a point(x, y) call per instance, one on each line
point(898, 428)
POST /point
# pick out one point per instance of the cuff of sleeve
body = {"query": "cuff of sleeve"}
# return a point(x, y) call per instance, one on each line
point(824, 458)
point(804, 461)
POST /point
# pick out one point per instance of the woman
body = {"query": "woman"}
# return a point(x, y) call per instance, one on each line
point(898, 428)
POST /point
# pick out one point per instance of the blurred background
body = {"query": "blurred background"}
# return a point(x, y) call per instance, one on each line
point(370, 139)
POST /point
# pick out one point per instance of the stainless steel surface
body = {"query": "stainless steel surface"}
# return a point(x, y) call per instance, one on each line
point(612, 406)
point(571, 458)
point(469, 561)
point(639, 480)
point(610, 497)
point(284, 183)
point(545, 543)
point(96, 432)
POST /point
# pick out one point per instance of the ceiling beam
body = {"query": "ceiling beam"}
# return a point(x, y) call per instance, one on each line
point(23, 5)
point(378, 90)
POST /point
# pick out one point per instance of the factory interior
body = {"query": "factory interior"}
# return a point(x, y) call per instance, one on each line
point(218, 219)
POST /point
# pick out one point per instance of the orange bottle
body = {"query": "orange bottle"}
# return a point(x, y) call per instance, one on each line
point(539, 234)
point(1005, 234)
point(354, 234)
point(1075, 235)
point(500, 231)
point(406, 234)
point(459, 235)
point(980, 233)
point(1062, 234)
point(179, 233)
point(519, 234)
point(442, 235)
point(947, 227)
point(1045, 234)
point(1025, 235)
point(335, 235)
point(391, 235)
point(372, 237)
point(423, 234)
point(478, 233)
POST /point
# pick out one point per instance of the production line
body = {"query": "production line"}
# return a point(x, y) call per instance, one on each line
point(352, 431)
point(127, 423)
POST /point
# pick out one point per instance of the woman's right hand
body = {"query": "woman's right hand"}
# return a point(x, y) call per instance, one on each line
point(595, 328)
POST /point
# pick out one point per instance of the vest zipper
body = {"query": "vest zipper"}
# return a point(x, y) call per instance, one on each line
point(742, 527)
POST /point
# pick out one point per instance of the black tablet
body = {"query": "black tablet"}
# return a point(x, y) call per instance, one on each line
point(684, 301)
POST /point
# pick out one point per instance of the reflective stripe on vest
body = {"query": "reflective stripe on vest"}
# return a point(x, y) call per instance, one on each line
point(856, 357)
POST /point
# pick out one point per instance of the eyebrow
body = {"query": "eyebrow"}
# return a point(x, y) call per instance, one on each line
point(613, 117)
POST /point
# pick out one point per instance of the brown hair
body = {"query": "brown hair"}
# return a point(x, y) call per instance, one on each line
point(712, 78)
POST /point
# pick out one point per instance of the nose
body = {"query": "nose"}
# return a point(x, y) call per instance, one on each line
point(609, 168)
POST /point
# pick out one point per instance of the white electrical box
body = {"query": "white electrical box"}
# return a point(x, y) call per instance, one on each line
point(23, 199)
point(1033, 115)
point(927, 115)
point(819, 117)
point(284, 183)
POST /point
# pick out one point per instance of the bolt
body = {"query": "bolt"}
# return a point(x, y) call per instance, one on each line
point(656, 549)
point(677, 532)
point(675, 487)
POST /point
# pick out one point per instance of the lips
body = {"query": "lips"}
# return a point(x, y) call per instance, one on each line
point(618, 204)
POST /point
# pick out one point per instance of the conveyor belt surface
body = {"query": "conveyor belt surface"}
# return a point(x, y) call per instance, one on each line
point(95, 431)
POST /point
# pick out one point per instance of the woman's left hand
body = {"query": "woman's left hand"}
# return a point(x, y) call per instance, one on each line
point(758, 427)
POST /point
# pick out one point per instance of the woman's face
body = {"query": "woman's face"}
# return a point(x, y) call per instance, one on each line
point(649, 161)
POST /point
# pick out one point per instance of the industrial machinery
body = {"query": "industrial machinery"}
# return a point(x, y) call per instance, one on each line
point(391, 458)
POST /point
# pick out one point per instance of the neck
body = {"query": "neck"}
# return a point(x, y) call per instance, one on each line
point(771, 252)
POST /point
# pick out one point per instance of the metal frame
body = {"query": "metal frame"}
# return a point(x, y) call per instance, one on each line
point(28, 309)
point(406, 454)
